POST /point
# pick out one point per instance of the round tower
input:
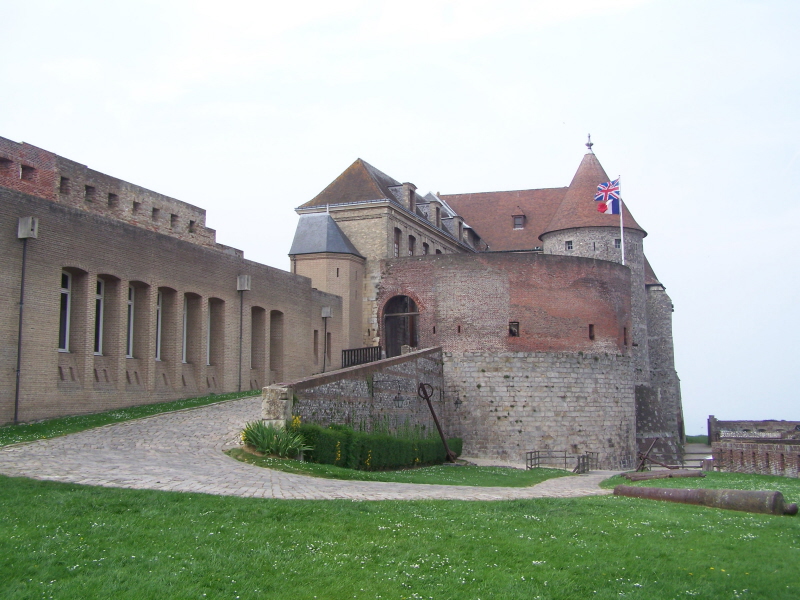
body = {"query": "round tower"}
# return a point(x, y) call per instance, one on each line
point(579, 229)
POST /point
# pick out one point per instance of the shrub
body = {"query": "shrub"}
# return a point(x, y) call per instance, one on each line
point(274, 440)
point(344, 447)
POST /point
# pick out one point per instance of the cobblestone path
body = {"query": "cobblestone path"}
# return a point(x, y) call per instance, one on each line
point(182, 452)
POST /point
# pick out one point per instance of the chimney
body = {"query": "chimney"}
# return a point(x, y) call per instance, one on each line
point(409, 198)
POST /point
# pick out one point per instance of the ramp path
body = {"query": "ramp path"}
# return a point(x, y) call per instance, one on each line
point(183, 452)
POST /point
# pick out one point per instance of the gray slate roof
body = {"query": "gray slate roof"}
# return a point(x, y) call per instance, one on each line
point(318, 232)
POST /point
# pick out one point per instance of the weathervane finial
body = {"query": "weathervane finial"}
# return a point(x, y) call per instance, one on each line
point(589, 144)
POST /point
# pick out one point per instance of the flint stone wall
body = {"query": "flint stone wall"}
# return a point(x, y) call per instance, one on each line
point(380, 395)
point(506, 404)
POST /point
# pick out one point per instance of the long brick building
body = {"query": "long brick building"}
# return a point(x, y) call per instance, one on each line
point(548, 340)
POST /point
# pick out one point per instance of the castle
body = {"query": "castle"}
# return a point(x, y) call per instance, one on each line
point(547, 339)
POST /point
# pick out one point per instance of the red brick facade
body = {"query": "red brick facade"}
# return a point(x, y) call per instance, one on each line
point(466, 302)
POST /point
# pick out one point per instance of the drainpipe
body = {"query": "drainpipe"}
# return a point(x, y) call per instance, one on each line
point(243, 284)
point(27, 227)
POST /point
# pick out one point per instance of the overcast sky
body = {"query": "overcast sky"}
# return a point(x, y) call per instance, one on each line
point(249, 109)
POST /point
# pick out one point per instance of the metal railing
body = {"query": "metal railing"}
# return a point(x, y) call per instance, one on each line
point(560, 459)
point(360, 356)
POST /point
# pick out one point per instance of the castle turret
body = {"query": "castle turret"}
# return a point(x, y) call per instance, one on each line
point(578, 229)
point(322, 252)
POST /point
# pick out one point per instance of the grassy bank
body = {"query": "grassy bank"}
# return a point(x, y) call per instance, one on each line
point(27, 432)
point(438, 474)
point(69, 541)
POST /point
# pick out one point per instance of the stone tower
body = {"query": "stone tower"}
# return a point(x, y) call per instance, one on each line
point(322, 252)
point(578, 229)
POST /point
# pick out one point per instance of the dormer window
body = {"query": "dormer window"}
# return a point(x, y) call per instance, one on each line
point(519, 221)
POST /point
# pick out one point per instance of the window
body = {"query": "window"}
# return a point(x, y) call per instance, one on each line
point(137, 206)
point(412, 242)
point(159, 311)
point(185, 328)
point(568, 245)
point(88, 193)
point(617, 243)
point(316, 346)
point(594, 246)
point(173, 221)
point(519, 222)
point(63, 321)
point(337, 271)
point(63, 186)
point(156, 214)
point(6, 166)
point(397, 234)
point(438, 217)
point(591, 331)
point(191, 226)
point(328, 345)
point(513, 329)
point(426, 249)
point(27, 173)
point(99, 307)
point(438, 251)
point(113, 200)
point(625, 335)
point(129, 337)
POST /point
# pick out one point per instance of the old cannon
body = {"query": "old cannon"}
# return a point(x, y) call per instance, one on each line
point(771, 503)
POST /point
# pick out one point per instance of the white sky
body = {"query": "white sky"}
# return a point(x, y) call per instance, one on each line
point(249, 109)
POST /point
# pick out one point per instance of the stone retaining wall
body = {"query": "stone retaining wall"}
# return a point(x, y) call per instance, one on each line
point(380, 395)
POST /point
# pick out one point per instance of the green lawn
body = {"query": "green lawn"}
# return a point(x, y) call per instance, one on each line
point(69, 541)
point(27, 432)
point(439, 474)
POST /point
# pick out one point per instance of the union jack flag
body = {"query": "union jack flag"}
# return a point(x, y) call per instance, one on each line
point(607, 198)
point(607, 191)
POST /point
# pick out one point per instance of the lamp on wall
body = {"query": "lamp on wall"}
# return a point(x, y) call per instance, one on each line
point(398, 399)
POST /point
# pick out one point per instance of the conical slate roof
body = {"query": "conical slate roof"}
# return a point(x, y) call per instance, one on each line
point(359, 182)
point(578, 208)
point(318, 232)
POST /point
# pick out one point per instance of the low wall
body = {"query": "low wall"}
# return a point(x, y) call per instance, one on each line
point(382, 395)
point(505, 404)
point(756, 430)
point(757, 457)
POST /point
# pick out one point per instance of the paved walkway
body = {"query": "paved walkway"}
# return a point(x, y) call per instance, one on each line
point(182, 452)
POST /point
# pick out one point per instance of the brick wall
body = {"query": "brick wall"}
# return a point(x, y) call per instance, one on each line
point(382, 394)
point(758, 457)
point(506, 404)
point(41, 173)
point(279, 315)
point(466, 302)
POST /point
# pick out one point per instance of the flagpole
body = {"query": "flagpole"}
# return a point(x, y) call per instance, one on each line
point(621, 227)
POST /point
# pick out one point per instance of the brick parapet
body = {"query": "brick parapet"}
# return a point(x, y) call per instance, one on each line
point(762, 458)
point(67, 182)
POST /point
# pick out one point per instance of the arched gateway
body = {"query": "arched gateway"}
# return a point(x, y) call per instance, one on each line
point(399, 324)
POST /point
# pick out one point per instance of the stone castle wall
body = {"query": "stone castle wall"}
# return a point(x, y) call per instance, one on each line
point(380, 395)
point(506, 404)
